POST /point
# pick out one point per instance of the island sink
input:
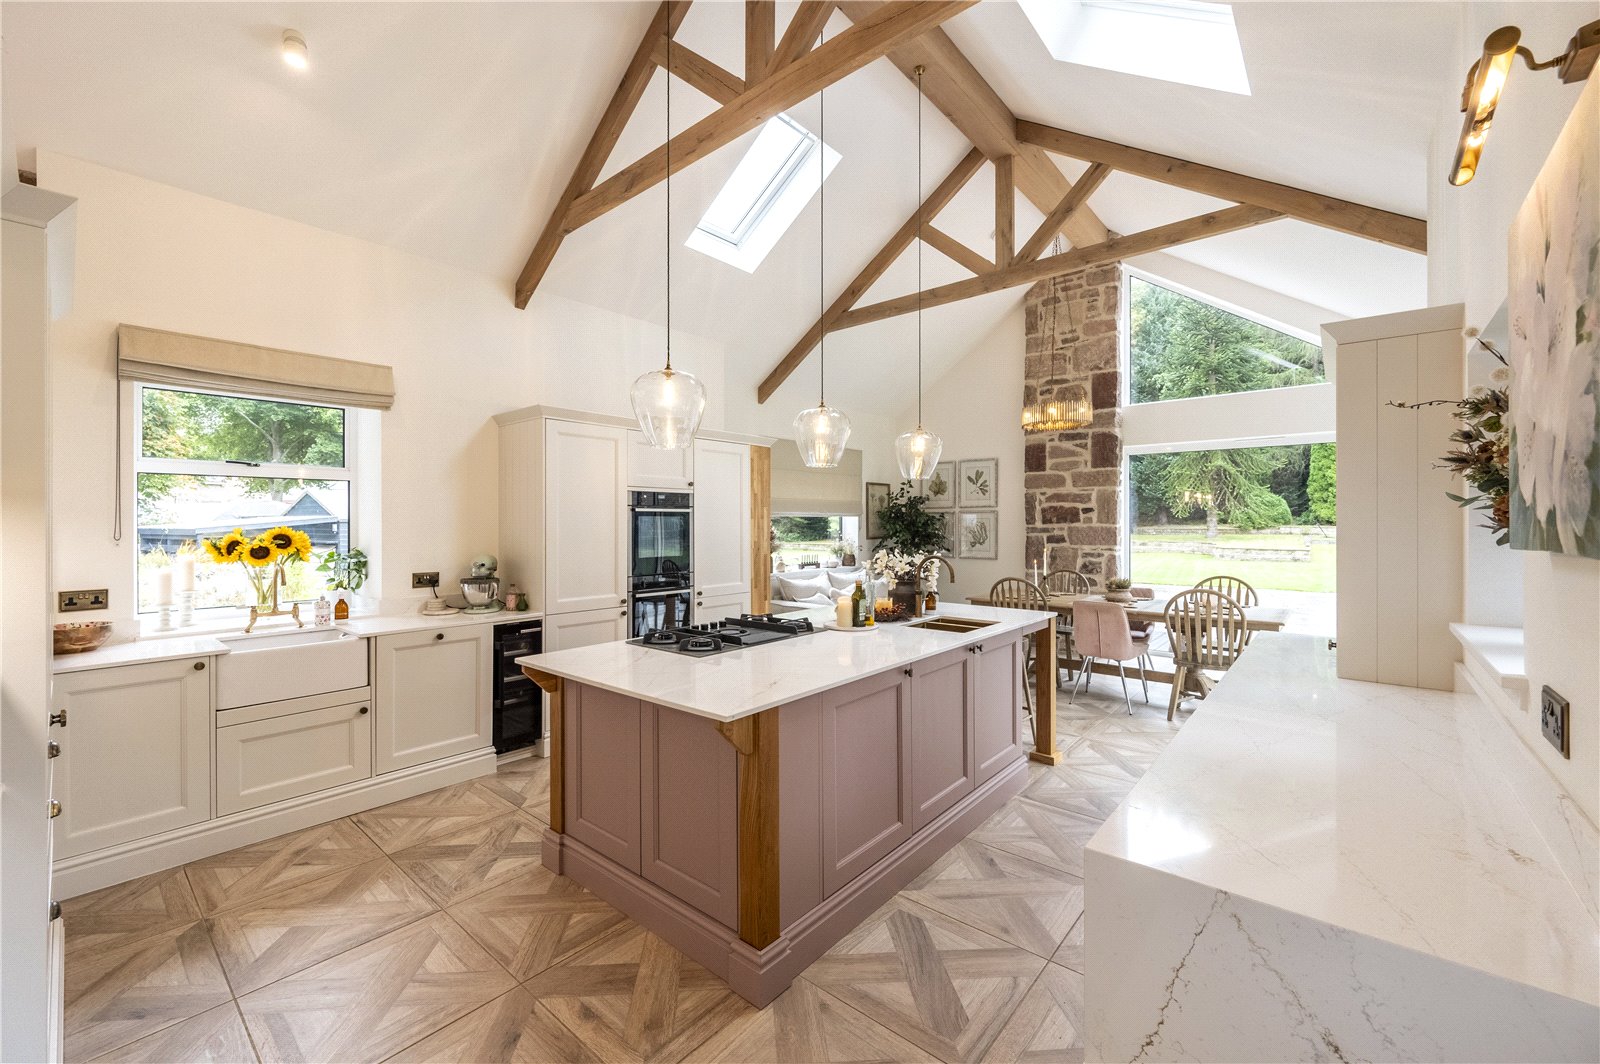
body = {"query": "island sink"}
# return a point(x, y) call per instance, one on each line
point(950, 624)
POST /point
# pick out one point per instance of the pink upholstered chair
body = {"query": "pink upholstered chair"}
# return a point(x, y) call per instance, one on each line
point(1100, 630)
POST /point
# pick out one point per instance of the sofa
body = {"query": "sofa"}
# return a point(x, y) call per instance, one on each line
point(822, 587)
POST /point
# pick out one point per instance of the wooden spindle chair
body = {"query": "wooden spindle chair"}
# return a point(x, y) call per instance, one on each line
point(1207, 631)
point(1065, 582)
point(1015, 593)
point(1233, 587)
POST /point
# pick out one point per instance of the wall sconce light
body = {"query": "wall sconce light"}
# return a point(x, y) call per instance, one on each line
point(1486, 81)
point(294, 50)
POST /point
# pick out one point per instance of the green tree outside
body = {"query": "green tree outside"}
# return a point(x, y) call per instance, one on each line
point(1322, 484)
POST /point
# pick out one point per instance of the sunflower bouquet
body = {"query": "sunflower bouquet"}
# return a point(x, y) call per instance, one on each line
point(263, 559)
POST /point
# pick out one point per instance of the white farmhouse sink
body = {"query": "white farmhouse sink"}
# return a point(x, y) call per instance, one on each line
point(272, 666)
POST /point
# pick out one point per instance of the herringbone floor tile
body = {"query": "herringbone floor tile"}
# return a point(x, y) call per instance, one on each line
point(536, 920)
point(445, 811)
point(1047, 1027)
point(216, 1036)
point(250, 873)
point(130, 911)
point(1025, 903)
point(479, 856)
point(512, 1029)
point(806, 1024)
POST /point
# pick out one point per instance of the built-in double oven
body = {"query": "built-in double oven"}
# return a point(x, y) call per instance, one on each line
point(661, 560)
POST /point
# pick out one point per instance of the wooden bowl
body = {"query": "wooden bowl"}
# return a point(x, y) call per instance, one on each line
point(82, 636)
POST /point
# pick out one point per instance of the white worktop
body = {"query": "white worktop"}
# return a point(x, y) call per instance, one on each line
point(737, 683)
point(207, 644)
point(1372, 808)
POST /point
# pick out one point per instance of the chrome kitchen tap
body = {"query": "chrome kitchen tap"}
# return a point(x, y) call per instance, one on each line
point(916, 610)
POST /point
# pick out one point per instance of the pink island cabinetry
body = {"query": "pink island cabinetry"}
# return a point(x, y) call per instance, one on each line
point(753, 807)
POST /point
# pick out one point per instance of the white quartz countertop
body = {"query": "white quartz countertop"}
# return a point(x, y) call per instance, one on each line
point(208, 644)
point(737, 683)
point(1374, 808)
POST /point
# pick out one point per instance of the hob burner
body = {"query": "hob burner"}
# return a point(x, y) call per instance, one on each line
point(699, 644)
point(659, 638)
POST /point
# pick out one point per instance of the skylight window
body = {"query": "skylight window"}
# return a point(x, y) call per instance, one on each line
point(768, 189)
point(1186, 41)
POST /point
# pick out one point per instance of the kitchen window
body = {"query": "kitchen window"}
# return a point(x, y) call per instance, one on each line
point(209, 462)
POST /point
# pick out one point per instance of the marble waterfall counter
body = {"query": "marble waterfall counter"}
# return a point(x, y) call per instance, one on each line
point(1324, 869)
point(754, 806)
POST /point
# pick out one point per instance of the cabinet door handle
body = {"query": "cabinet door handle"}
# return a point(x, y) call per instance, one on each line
point(622, 613)
point(55, 809)
point(52, 749)
point(199, 666)
point(438, 635)
point(364, 709)
point(58, 719)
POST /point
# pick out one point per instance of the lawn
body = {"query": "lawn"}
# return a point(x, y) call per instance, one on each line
point(1153, 567)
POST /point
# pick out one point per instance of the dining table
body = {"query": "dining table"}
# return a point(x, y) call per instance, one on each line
point(1154, 611)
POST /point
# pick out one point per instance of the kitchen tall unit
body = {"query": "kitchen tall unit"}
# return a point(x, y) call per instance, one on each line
point(565, 476)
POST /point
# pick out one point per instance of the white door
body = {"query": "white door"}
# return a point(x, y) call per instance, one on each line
point(659, 470)
point(585, 629)
point(273, 759)
point(585, 516)
point(135, 753)
point(715, 609)
point(721, 519)
point(432, 695)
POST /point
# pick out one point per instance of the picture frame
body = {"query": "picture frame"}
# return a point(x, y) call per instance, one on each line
point(940, 489)
point(876, 496)
point(979, 535)
point(977, 483)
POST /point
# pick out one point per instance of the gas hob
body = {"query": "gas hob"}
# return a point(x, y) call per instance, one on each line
point(719, 637)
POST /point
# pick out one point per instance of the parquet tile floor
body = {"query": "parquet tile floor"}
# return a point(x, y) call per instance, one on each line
point(428, 930)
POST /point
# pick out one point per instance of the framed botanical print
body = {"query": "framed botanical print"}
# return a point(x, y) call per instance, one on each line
point(940, 489)
point(975, 483)
point(979, 535)
point(877, 497)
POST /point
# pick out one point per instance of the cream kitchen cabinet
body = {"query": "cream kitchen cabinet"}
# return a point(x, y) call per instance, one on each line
point(715, 609)
point(432, 694)
point(585, 516)
point(135, 752)
point(654, 469)
point(721, 519)
point(571, 630)
point(283, 750)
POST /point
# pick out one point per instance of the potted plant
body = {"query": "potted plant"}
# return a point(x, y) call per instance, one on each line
point(346, 573)
point(1119, 589)
point(910, 535)
point(847, 552)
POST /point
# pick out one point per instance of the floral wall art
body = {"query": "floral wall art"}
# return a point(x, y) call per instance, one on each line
point(1554, 304)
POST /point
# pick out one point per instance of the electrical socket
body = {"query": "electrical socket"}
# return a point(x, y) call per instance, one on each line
point(97, 598)
point(1555, 716)
point(424, 580)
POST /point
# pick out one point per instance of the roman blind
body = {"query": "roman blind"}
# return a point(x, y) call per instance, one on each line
point(798, 490)
point(155, 356)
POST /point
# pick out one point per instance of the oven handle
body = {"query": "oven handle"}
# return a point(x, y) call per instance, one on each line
point(661, 510)
point(662, 594)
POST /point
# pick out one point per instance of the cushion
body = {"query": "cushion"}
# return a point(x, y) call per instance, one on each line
point(809, 585)
point(845, 579)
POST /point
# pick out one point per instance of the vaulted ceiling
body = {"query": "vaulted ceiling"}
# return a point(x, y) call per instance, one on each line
point(449, 130)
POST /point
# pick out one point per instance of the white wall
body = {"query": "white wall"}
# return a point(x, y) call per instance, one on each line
point(1467, 234)
point(975, 407)
point(150, 254)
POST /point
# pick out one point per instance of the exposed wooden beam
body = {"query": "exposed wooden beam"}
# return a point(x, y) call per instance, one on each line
point(1088, 181)
point(953, 85)
point(1005, 210)
point(760, 27)
point(954, 249)
point(804, 28)
point(1121, 247)
point(891, 26)
point(696, 70)
point(953, 183)
point(634, 79)
point(1386, 227)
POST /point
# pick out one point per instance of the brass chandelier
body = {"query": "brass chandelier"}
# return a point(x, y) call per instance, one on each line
point(1070, 408)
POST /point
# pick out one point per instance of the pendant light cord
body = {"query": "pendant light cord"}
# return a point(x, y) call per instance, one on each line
point(668, 225)
point(919, 248)
point(822, 243)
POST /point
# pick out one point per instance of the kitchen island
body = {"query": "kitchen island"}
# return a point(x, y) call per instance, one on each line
point(753, 806)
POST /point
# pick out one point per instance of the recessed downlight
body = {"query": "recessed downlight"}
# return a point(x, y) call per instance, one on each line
point(294, 50)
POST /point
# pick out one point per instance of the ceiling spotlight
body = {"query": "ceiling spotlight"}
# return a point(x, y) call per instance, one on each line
point(294, 50)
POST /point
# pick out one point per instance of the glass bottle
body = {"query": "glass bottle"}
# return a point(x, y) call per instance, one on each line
point(858, 607)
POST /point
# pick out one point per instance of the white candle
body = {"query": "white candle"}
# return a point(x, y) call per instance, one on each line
point(164, 587)
point(841, 613)
point(186, 572)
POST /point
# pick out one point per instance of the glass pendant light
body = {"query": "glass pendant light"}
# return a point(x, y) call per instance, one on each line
point(820, 432)
point(668, 403)
point(1070, 407)
point(918, 451)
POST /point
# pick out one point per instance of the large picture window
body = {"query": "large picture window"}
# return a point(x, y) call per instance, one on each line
point(207, 463)
point(1180, 347)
